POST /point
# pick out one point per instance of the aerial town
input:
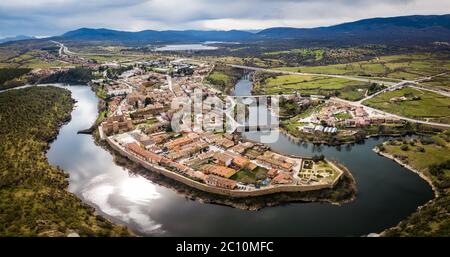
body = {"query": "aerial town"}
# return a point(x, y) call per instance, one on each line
point(224, 119)
point(137, 125)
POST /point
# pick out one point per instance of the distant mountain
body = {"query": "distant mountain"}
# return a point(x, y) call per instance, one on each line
point(153, 36)
point(405, 29)
point(414, 28)
point(16, 38)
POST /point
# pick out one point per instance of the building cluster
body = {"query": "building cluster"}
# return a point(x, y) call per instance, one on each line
point(138, 118)
point(334, 116)
point(117, 124)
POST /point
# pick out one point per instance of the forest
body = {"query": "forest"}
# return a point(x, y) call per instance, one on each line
point(34, 200)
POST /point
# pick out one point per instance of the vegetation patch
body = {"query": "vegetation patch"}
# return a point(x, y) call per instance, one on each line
point(405, 66)
point(11, 77)
point(413, 103)
point(33, 194)
point(224, 77)
point(431, 157)
point(312, 85)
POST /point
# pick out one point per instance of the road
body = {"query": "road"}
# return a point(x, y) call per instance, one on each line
point(379, 112)
point(369, 80)
point(391, 86)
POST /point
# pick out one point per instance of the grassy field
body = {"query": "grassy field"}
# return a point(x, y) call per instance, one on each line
point(35, 59)
point(408, 66)
point(440, 82)
point(430, 156)
point(428, 106)
point(250, 177)
point(224, 77)
point(286, 84)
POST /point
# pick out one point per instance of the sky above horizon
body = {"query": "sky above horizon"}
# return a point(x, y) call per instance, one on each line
point(54, 17)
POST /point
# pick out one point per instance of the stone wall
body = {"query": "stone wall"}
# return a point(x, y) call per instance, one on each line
point(215, 190)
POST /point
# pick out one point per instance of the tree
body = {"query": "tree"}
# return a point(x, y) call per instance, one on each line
point(317, 158)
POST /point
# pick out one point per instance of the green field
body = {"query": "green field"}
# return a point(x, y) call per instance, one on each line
point(430, 106)
point(440, 82)
point(430, 156)
point(408, 66)
point(250, 177)
point(286, 84)
point(223, 77)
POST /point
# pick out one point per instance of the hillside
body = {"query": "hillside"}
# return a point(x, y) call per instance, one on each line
point(34, 197)
point(394, 30)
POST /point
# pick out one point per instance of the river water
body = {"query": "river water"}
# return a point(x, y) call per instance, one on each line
point(387, 192)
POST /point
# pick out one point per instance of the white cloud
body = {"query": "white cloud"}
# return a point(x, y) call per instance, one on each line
point(52, 17)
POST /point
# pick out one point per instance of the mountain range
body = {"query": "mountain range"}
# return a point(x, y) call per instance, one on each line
point(16, 38)
point(395, 30)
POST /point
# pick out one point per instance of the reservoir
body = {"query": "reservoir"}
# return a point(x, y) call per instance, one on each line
point(387, 192)
point(186, 47)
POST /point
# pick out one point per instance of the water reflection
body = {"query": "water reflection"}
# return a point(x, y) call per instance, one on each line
point(387, 192)
point(123, 196)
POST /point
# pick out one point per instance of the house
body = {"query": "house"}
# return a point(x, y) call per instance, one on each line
point(147, 155)
point(308, 128)
point(220, 182)
point(361, 122)
point(283, 178)
point(117, 124)
point(223, 158)
point(178, 142)
point(243, 162)
point(272, 173)
point(330, 130)
point(318, 128)
point(359, 112)
point(238, 149)
point(218, 170)
point(240, 161)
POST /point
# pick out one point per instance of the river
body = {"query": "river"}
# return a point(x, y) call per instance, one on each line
point(387, 192)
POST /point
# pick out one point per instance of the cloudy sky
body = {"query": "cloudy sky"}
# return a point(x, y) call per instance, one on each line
point(54, 17)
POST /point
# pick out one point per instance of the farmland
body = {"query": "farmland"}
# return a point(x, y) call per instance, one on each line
point(393, 67)
point(413, 103)
point(287, 84)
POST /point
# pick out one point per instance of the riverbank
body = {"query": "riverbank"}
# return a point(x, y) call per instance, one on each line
point(349, 141)
point(429, 159)
point(409, 167)
point(342, 191)
point(150, 209)
point(34, 196)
